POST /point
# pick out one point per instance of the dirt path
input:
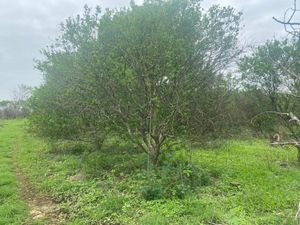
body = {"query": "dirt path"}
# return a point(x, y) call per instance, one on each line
point(41, 206)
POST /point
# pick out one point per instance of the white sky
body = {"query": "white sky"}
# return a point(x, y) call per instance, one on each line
point(26, 26)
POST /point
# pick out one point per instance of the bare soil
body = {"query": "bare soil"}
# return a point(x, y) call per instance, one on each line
point(41, 206)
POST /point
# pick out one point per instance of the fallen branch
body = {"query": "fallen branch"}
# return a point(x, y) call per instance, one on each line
point(292, 119)
point(295, 143)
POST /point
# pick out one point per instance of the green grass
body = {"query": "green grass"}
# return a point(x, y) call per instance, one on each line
point(102, 188)
point(12, 208)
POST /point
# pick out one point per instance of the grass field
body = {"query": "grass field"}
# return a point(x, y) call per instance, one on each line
point(12, 209)
point(247, 182)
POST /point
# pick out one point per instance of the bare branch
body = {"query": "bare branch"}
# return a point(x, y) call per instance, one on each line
point(269, 112)
point(294, 118)
point(291, 116)
point(290, 26)
point(286, 23)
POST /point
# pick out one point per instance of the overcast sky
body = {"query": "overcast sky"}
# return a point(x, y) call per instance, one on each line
point(26, 26)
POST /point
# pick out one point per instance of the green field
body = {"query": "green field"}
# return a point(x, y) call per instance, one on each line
point(12, 209)
point(245, 182)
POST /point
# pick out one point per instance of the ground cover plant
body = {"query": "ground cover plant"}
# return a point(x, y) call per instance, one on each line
point(241, 182)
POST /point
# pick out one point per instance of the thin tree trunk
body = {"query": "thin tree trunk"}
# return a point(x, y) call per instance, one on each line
point(298, 148)
point(154, 153)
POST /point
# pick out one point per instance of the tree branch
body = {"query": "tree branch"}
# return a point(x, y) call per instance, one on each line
point(286, 23)
point(268, 112)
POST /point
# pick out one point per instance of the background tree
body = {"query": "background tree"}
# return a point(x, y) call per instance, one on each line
point(18, 106)
point(274, 69)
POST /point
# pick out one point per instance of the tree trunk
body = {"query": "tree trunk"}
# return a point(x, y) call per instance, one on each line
point(154, 152)
point(298, 148)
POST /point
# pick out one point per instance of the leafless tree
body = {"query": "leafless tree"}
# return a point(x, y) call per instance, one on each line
point(17, 107)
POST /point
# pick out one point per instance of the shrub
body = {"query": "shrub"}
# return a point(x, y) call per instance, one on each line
point(174, 179)
point(71, 147)
point(97, 163)
point(112, 204)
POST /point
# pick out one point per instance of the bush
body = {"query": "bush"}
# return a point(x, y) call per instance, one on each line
point(71, 147)
point(97, 163)
point(112, 204)
point(176, 178)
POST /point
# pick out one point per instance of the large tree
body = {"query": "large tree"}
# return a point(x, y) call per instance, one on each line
point(145, 73)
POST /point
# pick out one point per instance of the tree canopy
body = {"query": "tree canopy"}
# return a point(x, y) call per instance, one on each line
point(147, 73)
